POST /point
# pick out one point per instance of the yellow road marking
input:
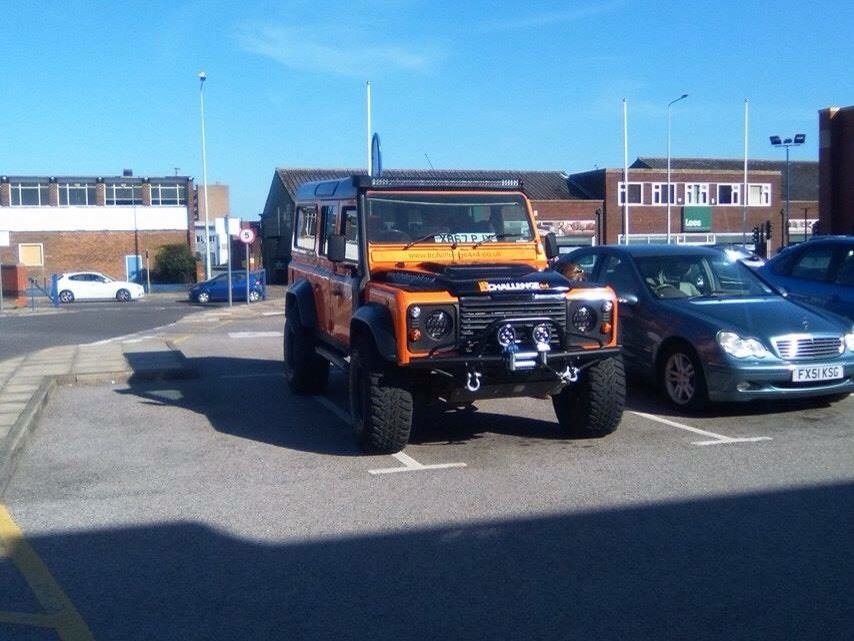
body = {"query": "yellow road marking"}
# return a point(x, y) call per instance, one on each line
point(61, 613)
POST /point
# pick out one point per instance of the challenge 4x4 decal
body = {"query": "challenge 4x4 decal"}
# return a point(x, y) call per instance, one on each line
point(486, 286)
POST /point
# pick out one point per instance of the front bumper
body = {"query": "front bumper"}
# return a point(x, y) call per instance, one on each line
point(524, 373)
point(748, 382)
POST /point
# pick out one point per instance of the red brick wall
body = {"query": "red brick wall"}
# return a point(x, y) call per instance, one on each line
point(652, 219)
point(836, 170)
point(81, 250)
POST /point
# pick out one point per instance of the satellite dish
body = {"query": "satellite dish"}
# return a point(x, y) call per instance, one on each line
point(376, 157)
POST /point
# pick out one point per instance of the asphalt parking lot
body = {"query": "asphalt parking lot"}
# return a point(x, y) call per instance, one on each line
point(226, 508)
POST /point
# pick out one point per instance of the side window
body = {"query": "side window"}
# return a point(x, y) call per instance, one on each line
point(587, 262)
point(327, 215)
point(618, 274)
point(846, 269)
point(351, 233)
point(305, 230)
point(813, 264)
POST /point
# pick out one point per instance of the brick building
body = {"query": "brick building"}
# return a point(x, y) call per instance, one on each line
point(52, 224)
point(707, 202)
point(836, 170)
point(557, 205)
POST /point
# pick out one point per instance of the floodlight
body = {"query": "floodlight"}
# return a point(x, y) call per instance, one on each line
point(800, 138)
point(775, 140)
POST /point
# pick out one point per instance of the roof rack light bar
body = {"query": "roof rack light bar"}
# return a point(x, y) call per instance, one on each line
point(439, 183)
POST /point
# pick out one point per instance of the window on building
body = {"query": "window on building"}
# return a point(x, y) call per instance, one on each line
point(76, 194)
point(659, 193)
point(31, 254)
point(124, 194)
point(163, 194)
point(696, 193)
point(758, 195)
point(635, 193)
point(729, 194)
point(306, 228)
point(34, 194)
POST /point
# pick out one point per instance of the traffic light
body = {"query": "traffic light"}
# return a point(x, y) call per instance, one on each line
point(768, 229)
point(756, 236)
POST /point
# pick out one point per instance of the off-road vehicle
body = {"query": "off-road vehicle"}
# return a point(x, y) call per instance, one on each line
point(436, 291)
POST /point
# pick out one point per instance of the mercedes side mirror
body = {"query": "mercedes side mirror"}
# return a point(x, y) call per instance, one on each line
point(550, 244)
point(336, 248)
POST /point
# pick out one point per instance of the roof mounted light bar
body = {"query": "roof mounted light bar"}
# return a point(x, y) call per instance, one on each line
point(404, 182)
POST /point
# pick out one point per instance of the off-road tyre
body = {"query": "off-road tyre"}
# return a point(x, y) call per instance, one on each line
point(305, 371)
point(381, 403)
point(593, 406)
point(681, 378)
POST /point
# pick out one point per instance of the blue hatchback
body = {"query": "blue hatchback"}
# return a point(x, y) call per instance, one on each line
point(819, 272)
point(216, 288)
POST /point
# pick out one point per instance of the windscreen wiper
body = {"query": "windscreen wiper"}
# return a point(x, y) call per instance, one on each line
point(422, 239)
point(494, 237)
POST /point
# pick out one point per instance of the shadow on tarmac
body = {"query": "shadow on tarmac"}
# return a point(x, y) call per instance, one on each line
point(249, 398)
point(765, 566)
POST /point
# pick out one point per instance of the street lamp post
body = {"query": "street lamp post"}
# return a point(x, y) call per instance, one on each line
point(202, 77)
point(669, 199)
point(796, 141)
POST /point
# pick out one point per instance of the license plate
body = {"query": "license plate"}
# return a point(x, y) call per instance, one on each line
point(816, 373)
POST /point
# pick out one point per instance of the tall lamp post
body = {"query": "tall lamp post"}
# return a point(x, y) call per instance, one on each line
point(668, 196)
point(202, 77)
point(796, 141)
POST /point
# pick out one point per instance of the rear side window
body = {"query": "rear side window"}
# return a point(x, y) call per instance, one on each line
point(351, 233)
point(813, 264)
point(327, 213)
point(305, 229)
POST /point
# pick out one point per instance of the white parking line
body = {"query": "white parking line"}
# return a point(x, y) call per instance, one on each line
point(409, 463)
point(716, 439)
point(255, 334)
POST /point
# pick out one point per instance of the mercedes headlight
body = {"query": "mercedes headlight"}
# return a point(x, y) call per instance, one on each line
point(849, 341)
point(739, 347)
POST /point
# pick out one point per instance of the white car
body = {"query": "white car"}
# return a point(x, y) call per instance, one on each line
point(95, 286)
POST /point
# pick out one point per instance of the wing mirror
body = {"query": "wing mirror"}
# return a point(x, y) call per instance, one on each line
point(550, 245)
point(336, 248)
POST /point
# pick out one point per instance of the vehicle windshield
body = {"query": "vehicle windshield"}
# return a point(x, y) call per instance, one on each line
point(691, 276)
point(432, 218)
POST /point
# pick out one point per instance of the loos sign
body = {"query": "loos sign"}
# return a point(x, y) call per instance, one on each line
point(696, 219)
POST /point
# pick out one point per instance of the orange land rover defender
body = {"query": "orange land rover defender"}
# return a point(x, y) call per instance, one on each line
point(430, 291)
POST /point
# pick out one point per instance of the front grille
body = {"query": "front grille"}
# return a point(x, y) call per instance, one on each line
point(807, 347)
point(478, 312)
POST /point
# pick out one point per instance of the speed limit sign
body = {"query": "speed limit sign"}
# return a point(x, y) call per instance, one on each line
point(247, 236)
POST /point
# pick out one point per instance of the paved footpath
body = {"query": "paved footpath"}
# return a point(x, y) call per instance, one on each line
point(26, 382)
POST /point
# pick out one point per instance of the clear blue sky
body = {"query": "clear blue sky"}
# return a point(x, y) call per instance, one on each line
point(95, 87)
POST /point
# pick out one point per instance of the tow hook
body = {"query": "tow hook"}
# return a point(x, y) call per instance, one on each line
point(473, 380)
point(570, 374)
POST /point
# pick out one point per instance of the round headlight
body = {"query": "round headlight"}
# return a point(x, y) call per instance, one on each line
point(542, 334)
point(506, 335)
point(583, 319)
point(439, 324)
point(415, 311)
